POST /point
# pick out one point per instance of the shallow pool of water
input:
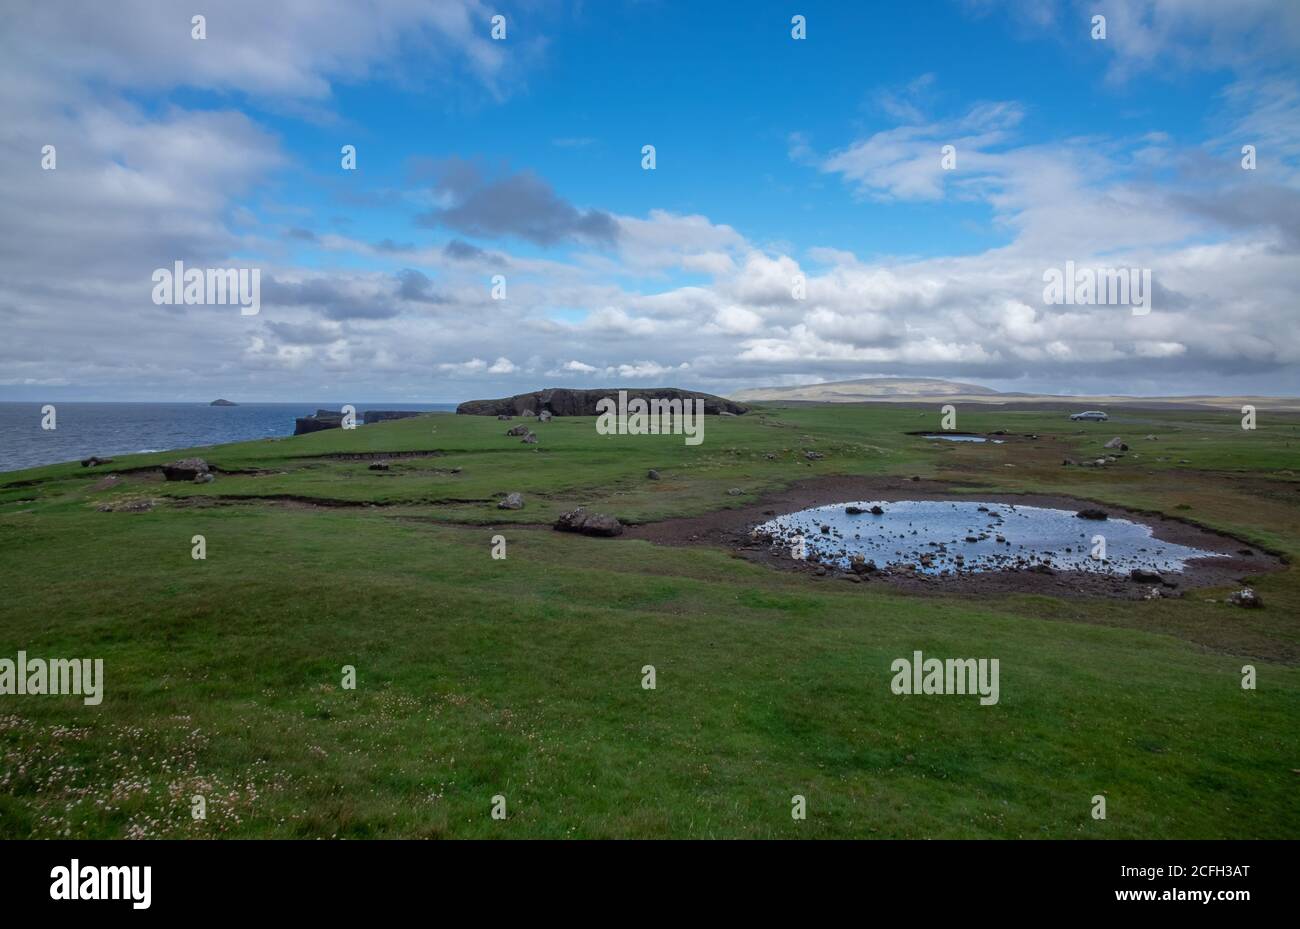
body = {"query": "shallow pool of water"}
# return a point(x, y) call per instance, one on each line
point(962, 438)
point(939, 536)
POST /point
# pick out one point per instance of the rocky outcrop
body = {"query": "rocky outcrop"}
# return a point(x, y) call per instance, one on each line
point(187, 469)
point(561, 401)
point(333, 419)
point(321, 419)
point(580, 520)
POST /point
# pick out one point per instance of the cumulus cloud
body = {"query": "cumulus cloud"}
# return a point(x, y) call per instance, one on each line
point(520, 205)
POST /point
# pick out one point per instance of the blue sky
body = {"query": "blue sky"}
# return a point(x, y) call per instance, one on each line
point(776, 159)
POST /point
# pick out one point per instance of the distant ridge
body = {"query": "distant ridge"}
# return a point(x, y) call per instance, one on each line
point(928, 390)
point(867, 388)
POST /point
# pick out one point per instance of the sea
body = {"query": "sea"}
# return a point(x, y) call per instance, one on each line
point(108, 429)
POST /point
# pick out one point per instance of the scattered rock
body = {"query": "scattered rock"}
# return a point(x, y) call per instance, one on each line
point(735, 492)
point(518, 430)
point(1144, 576)
point(205, 478)
point(94, 461)
point(1115, 443)
point(505, 416)
point(877, 511)
point(1092, 514)
point(580, 520)
point(512, 501)
point(379, 466)
point(813, 456)
point(544, 416)
point(1246, 597)
point(187, 469)
point(652, 474)
point(127, 506)
point(854, 510)
point(529, 439)
point(1151, 438)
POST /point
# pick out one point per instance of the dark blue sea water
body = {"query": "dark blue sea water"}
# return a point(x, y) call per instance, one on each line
point(107, 429)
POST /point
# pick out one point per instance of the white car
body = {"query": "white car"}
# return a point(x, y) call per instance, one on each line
point(1096, 416)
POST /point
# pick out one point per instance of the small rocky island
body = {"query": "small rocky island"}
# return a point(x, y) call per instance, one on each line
point(222, 403)
point(561, 401)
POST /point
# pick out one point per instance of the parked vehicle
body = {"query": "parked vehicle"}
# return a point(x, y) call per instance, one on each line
point(1096, 416)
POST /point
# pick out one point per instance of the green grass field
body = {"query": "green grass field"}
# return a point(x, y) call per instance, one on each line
point(522, 677)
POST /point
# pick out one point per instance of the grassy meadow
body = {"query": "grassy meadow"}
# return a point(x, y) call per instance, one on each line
point(522, 677)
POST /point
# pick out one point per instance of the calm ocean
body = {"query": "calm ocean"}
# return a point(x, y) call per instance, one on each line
point(107, 429)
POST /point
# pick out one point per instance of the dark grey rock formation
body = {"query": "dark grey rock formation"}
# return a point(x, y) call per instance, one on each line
point(321, 419)
point(561, 401)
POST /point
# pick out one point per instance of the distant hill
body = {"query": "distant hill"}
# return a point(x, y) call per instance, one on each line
point(867, 388)
point(929, 390)
point(222, 402)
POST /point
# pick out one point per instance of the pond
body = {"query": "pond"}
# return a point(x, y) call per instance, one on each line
point(962, 438)
point(944, 536)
